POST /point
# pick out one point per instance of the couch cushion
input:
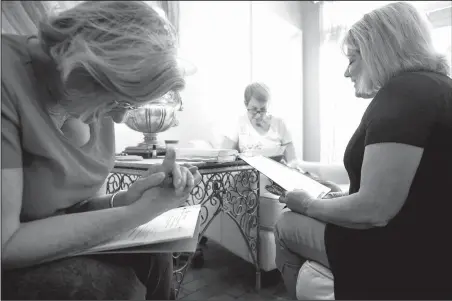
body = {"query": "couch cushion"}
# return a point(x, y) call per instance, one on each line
point(314, 282)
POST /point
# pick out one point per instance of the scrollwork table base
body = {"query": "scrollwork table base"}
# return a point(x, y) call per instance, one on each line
point(231, 188)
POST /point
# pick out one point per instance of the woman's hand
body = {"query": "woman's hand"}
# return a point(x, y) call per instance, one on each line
point(164, 186)
point(175, 176)
point(297, 200)
point(163, 196)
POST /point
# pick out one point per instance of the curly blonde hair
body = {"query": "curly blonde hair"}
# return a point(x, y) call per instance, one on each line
point(392, 39)
point(126, 47)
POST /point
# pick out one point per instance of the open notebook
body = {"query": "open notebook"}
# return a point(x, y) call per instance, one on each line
point(176, 230)
point(286, 177)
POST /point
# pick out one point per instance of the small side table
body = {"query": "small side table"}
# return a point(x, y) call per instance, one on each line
point(232, 188)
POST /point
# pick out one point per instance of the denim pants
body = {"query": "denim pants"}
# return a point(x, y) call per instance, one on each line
point(298, 238)
point(97, 277)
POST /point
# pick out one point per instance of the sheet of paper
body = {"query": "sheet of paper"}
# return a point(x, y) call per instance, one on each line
point(286, 177)
point(175, 224)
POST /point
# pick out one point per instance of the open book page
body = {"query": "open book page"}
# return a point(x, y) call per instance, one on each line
point(286, 177)
point(175, 224)
point(188, 245)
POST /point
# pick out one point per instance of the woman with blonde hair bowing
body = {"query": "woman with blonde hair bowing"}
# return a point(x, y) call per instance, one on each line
point(389, 238)
point(61, 92)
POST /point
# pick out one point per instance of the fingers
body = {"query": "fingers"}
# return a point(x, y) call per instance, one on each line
point(190, 179)
point(144, 183)
point(283, 198)
point(177, 176)
point(193, 169)
point(197, 178)
point(170, 160)
point(183, 180)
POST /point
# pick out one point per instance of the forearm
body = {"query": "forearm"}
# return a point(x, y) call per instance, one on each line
point(103, 201)
point(60, 236)
point(347, 211)
point(333, 195)
point(290, 156)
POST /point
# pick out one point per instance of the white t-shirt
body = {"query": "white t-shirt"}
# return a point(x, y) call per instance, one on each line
point(247, 138)
point(272, 143)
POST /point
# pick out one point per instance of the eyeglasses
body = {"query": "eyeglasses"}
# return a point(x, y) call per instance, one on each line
point(255, 112)
point(126, 105)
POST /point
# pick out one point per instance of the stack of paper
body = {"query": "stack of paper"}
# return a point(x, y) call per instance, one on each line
point(206, 154)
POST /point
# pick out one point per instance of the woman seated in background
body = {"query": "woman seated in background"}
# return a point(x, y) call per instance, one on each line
point(61, 93)
point(390, 238)
point(258, 132)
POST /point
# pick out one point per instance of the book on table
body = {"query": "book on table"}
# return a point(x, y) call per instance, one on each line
point(286, 177)
point(176, 230)
point(206, 154)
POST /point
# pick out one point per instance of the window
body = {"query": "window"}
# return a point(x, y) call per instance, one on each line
point(277, 61)
point(340, 110)
point(257, 45)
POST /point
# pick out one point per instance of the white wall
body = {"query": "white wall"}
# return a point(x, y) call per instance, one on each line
point(215, 37)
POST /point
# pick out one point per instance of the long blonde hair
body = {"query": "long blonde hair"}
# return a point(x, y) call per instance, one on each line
point(392, 39)
point(126, 47)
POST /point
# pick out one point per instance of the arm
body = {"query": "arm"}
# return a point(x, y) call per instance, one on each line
point(380, 196)
point(398, 128)
point(29, 243)
point(290, 155)
point(26, 244)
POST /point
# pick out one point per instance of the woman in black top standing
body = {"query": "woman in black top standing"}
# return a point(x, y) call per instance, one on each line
point(391, 236)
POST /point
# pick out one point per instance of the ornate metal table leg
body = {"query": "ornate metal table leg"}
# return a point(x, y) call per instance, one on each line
point(179, 272)
point(236, 194)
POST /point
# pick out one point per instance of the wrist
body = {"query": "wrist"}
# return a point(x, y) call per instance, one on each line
point(301, 206)
point(120, 199)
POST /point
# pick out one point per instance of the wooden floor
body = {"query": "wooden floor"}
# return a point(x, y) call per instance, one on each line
point(225, 276)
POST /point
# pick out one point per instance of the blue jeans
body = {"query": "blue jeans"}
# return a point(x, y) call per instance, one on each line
point(298, 238)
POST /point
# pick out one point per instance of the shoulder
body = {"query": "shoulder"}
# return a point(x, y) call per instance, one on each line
point(417, 87)
point(16, 62)
point(14, 52)
point(411, 93)
point(278, 122)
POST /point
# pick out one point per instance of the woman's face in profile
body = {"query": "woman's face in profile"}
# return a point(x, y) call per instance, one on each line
point(357, 74)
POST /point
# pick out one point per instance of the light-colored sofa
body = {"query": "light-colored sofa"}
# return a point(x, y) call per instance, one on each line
point(224, 231)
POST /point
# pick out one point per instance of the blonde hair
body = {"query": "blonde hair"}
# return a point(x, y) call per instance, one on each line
point(126, 47)
point(393, 39)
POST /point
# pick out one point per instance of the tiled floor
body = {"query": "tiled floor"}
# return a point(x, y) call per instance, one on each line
point(224, 277)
